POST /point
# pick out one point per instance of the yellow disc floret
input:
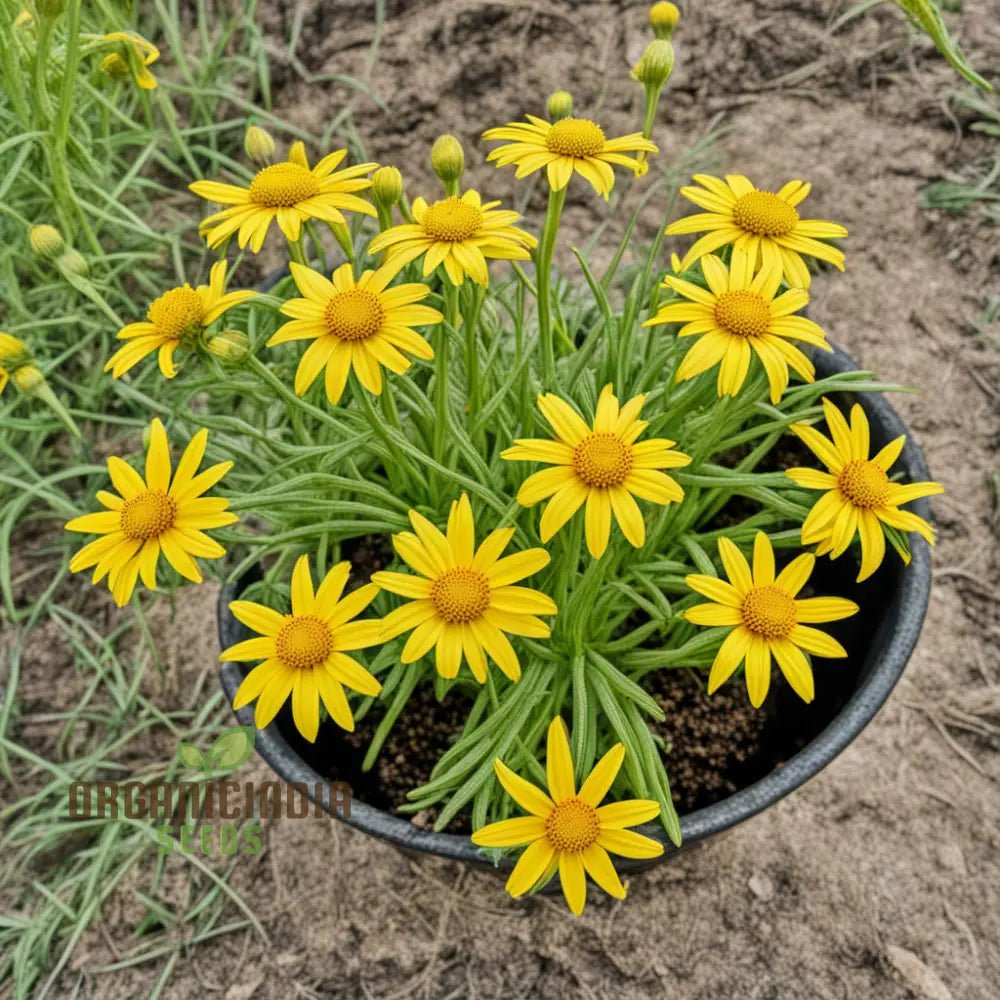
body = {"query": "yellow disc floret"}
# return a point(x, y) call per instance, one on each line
point(577, 137)
point(147, 515)
point(177, 312)
point(602, 459)
point(452, 220)
point(355, 314)
point(765, 214)
point(743, 313)
point(769, 612)
point(283, 185)
point(461, 594)
point(864, 483)
point(572, 826)
point(304, 642)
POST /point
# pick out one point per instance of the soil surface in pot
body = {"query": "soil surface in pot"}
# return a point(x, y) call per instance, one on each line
point(718, 744)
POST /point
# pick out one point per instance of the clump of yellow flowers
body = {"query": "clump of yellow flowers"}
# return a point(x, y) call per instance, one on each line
point(457, 464)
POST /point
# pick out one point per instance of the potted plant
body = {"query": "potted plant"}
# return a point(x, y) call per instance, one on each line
point(388, 480)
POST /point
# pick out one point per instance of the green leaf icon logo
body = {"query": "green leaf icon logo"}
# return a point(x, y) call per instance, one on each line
point(190, 756)
point(232, 748)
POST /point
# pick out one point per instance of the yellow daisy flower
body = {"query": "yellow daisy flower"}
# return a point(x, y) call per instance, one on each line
point(354, 323)
point(139, 55)
point(459, 232)
point(464, 603)
point(766, 618)
point(290, 192)
point(565, 146)
point(738, 316)
point(569, 829)
point(765, 225)
point(858, 493)
point(154, 514)
point(305, 653)
point(600, 466)
point(176, 318)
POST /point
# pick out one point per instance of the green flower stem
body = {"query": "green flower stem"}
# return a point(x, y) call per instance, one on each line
point(263, 372)
point(441, 385)
point(343, 237)
point(543, 281)
point(318, 250)
point(296, 252)
point(399, 470)
point(470, 318)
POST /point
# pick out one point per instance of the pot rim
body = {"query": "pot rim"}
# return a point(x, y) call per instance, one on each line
point(909, 602)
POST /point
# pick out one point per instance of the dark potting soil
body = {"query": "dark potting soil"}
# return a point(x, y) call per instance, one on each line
point(717, 745)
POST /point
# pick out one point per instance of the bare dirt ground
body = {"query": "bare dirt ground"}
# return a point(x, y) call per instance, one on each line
point(879, 879)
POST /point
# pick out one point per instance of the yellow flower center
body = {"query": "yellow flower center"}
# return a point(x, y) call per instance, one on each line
point(575, 137)
point(572, 826)
point(461, 595)
point(864, 484)
point(304, 642)
point(177, 312)
point(452, 220)
point(765, 214)
point(147, 515)
point(769, 611)
point(356, 314)
point(602, 459)
point(743, 313)
point(283, 185)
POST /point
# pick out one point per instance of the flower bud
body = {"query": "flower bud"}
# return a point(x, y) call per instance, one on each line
point(656, 64)
point(24, 19)
point(448, 159)
point(28, 379)
point(258, 144)
point(13, 352)
point(73, 262)
point(560, 105)
point(45, 241)
point(115, 67)
point(387, 186)
point(50, 8)
point(663, 18)
point(230, 345)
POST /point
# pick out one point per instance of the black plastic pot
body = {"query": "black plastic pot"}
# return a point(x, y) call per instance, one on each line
point(879, 648)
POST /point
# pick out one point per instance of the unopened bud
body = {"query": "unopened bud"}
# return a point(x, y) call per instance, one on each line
point(13, 352)
point(24, 19)
point(50, 8)
point(387, 187)
point(663, 18)
point(72, 262)
point(259, 144)
point(45, 241)
point(560, 105)
point(28, 379)
point(230, 345)
point(656, 64)
point(116, 67)
point(448, 159)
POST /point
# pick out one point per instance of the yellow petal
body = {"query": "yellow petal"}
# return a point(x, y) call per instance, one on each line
point(524, 793)
point(559, 763)
point(602, 777)
point(510, 832)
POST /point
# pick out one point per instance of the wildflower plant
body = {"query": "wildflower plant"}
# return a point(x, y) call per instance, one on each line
point(538, 461)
